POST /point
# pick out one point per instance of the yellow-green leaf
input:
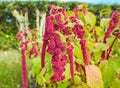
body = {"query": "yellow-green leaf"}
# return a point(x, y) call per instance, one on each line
point(115, 83)
point(101, 46)
point(104, 22)
point(70, 13)
point(108, 69)
point(90, 19)
point(94, 77)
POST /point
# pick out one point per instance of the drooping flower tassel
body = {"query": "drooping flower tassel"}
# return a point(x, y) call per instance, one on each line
point(70, 55)
point(84, 51)
point(55, 48)
point(78, 30)
point(48, 31)
point(24, 69)
point(112, 25)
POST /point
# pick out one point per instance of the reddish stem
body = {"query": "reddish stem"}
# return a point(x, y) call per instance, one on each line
point(70, 54)
point(45, 42)
point(96, 36)
point(110, 48)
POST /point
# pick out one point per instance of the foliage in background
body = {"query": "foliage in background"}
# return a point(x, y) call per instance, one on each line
point(10, 69)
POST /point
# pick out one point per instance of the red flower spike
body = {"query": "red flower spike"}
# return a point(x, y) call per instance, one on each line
point(70, 54)
point(33, 51)
point(84, 51)
point(78, 30)
point(113, 23)
point(51, 44)
point(76, 11)
point(45, 42)
point(62, 77)
point(63, 57)
point(58, 51)
point(24, 70)
point(48, 30)
point(60, 23)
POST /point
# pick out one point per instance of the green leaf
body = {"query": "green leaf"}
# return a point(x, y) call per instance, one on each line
point(108, 69)
point(115, 83)
point(81, 85)
point(100, 32)
point(40, 80)
point(67, 72)
point(101, 46)
point(90, 45)
point(106, 11)
point(79, 61)
point(110, 39)
point(77, 50)
point(81, 16)
point(90, 19)
point(70, 24)
point(48, 64)
point(70, 13)
point(104, 22)
point(55, 21)
point(64, 84)
point(77, 79)
point(36, 66)
point(47, 77)
point(94, 77)
point(29, 45)
point(62, 17)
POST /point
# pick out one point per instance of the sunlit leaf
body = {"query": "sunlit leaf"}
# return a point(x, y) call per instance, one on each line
point(101, 46)
point(104, 22)
point(108, 69)
point(105, 11)
point(100, 33)
point(77, 50)
point(79, 61)
point(94, 77)
point(115, 83)
point(70, 13)
point(29, 46)
point(67, 72)
point(81, 17)
point(64, 84)
point(77, 79)
point(55, 21)
point(90, 19)
point(81, 85)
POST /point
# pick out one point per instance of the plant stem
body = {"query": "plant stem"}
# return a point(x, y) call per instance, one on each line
point(110, 48)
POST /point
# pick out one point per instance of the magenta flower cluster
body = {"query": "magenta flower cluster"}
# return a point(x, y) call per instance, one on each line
point(78, 30)
point(55, 48)
point(57, 21)
point(24, 42)
point(49, 29)
point(113, 23)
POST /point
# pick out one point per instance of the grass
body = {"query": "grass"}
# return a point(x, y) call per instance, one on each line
point(10, 69)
